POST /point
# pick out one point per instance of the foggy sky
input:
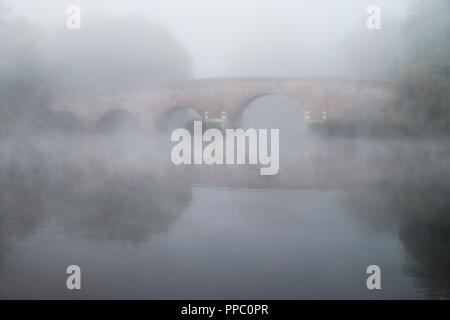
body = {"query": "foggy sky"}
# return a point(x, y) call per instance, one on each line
point(253, 37)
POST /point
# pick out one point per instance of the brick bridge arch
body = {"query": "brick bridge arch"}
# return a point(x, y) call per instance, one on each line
point(236, 115)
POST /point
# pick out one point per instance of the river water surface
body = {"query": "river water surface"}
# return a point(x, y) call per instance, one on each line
point(227, 243)
point(140, 227)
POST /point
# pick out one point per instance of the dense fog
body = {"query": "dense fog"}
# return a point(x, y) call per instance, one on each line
point(236, 38)
point(86, 173)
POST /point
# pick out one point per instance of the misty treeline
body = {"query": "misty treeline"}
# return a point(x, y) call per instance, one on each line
point(424, 69)
point(421, 75)
point(108, 54)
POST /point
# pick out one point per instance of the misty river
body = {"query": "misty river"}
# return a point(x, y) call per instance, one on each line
point(140, 227)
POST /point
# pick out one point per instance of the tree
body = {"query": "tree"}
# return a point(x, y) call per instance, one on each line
point(23, 91)
point(112, 54)
point(118, 53)
point(424, 73)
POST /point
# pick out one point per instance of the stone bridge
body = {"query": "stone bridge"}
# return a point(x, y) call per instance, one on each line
point(340, 98)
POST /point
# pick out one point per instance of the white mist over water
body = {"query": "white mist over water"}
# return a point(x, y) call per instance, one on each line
point(100, 192)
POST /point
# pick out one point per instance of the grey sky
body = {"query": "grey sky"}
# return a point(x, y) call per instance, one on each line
point(236, 37)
